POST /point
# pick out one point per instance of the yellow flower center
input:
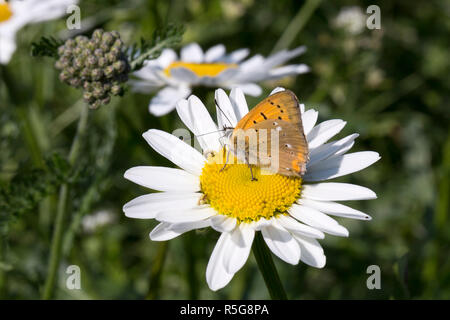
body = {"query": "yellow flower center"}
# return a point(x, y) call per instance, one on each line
point(5, 11)
point(231, 192)
point(200, 69)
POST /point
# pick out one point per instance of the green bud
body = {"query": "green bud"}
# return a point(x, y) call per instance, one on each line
point(96, 74)
point(61, 50)
point(77, 51)
point(85, 73)
point(78, 63)
point(106, 100)
point(118, 44)
point(64, 76)
point(59, 65)
point(75, 82)
point(107, 39)
point(107, 86)
point(109, 72)
point(95, 104)
point(120, 66)
point(91, 45)
point(97, 34)
point(102, 62)
point(98, 53)
point(116, 90)
point(71, 70)
point(115, 34)
point(88, 96)
point(70, 43)
point(111, 56)
point(91, 61)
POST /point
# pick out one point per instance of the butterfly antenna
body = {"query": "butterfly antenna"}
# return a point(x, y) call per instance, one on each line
point(204, 134)
point(217, 105)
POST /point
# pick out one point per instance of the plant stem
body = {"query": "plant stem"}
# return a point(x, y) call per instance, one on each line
point(56, 246)
point(296, 25)
point(156, 272)
point(267, 268)
point(148, 54)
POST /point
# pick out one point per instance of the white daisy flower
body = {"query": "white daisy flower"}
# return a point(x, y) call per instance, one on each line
point(351, 19)
point(291, 213)
point(15, 14)
point(175, 76)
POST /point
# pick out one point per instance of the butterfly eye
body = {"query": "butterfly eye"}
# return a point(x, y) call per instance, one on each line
point(275, 123)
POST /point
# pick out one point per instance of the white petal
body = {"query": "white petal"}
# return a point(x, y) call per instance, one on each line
point(318, 220)
point(283, 56)
point(239, 103)
point(165, 100)
point(7, 47)
point(148, 205)
point(262, 223)
point(225, 112)
point(277, 89)
point(341, 165)
point(175, 150)
point(323, 132)
point(166, 231)
point(216, 275)
point(237, 56)
point(335, 191)
point(328, 149)
point(163, 179)
point(192, 53)
point(335, 209)
point(184, 75)
point(252, 64)
point(312, 252)
point(289, 70)
point(309, 119)
point(294, 226)
point(239, 247)
point(215, 53)
point(166, 58)
point(251, 89)
point(281, 243)
point(222, 223)
point(177, 215)
point(197, 118)
point(302, 108)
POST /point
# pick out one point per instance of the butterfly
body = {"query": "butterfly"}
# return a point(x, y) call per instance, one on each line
point(271, 136)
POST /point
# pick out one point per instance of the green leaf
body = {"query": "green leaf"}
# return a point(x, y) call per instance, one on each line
point(167, 37)
point(29, 187)
point(46, 47)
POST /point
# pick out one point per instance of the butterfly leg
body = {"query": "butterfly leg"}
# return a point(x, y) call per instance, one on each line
point(226, 161)
point(251, 172)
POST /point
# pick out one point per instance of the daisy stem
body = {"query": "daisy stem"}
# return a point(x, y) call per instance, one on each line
point(148, 54)
point(56, 245)
point(296, 25)
point(267, 268)
point(157, 269)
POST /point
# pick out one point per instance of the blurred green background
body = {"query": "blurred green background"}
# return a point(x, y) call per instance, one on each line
point(391, 85)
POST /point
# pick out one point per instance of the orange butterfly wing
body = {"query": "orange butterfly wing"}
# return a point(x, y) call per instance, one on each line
point(280, 111)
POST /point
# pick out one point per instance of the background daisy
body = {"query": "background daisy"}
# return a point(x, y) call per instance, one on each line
point(16, 14)
point(290, 213)
point(174, 76)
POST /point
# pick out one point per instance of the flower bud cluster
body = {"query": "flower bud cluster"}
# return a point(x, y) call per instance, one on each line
point(97, 65)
